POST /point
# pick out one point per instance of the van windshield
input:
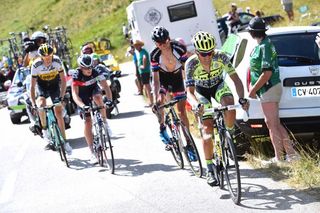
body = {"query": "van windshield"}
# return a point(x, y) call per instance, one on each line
point(296, 49)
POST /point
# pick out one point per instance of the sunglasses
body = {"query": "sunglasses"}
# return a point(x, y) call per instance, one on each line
point(163, 42)
point(202, 54)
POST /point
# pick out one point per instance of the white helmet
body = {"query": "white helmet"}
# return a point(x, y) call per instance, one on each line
point(39, 34)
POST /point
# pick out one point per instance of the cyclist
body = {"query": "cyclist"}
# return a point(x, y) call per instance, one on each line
point(84, 89)
point(167, 61)
point(48, 75)
point(205, 80)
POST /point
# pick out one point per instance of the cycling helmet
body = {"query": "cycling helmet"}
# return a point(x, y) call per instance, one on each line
point(85, 60)
point(45, 49)
point(159, 34)
point(87, 49)
point(204, 42)
point(257, 24)
point(38, 35)
point(95, 56)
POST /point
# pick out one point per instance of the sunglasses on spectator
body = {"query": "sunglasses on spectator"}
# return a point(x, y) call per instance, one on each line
point(205, 54)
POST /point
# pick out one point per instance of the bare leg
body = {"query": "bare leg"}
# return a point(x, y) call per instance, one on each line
point(271, 113)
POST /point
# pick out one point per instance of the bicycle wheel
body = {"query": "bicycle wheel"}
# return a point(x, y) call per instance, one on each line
point(231, 167)
point(175, 148)
point(59, 142)
point(194, 161)
point(107, 151)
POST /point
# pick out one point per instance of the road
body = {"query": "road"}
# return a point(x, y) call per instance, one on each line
point(146, 178)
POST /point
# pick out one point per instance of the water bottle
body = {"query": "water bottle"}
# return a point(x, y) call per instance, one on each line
point(217, 141)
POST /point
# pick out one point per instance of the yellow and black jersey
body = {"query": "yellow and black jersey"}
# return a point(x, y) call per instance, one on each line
point(47, 76)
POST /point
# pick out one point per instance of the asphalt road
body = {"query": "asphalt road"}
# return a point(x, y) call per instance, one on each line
point(146, 178)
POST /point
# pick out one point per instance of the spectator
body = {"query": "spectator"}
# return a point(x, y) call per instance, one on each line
point(143, 62)
point(248, 10)
point(258, 13)
point(131, 51)
point(233, 18)
point(288, 7)
point(266, 85)
point(125, 31)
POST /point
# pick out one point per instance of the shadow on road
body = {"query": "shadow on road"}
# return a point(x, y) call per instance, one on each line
point(130, 167)
point(80, 164)
point(270, 199)
point(77, 143)
point(130, 114)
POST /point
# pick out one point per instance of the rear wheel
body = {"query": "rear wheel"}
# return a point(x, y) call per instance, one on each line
point(231, 166)
point(194, 161)
point(15, 118)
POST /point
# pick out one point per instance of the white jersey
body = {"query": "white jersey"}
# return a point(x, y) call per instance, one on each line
point(47, 76)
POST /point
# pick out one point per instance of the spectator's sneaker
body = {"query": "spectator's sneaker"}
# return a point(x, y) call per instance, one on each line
point(93, 159)
point(164, 136)
point(211, 179)
point(50, 146)
point(68, 148)
point(191, 154)
point(292, 158)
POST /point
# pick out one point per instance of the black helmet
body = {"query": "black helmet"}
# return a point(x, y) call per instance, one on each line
point(159, 34)
point(45, 49)
point(85, 60)
point(257, 24)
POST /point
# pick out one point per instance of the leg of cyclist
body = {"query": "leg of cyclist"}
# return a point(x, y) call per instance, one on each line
point(58, 111)
point(97, 98)
point(163, 131)
point(89, 136)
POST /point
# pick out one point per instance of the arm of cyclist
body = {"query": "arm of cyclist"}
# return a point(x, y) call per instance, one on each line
point(156, 85)
point(240, 91)
point(196, 106)
point(33, 91)
point(63, 84)
point(76, 98)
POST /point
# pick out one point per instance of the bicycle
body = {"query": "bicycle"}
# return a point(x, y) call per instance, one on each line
point(102, 146)
point(55, 132)
point(225, 154)
point(177, 144)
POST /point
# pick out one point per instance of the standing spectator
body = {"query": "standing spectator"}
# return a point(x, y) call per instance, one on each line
point(288, 7)
point(125, 31)
point(131, 51)
point(233, 18)
point(144, 68)
point(266, 85)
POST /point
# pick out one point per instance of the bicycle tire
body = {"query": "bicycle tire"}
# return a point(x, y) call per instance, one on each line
point(195, 166)
point(175, 148)
point(107, 150)
point(60, 144)
point(231, 168)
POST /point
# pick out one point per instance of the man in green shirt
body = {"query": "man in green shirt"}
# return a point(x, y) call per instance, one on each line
point(144, 69)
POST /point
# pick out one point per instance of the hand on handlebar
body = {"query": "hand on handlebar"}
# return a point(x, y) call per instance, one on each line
point(85, 109)
point(244, 103)
point(198, 109)
point(107, 102)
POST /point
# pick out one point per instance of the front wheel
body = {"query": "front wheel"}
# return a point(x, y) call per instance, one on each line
point(107, 151)
point(175, 147)
point(231, 166)
point(59, 143)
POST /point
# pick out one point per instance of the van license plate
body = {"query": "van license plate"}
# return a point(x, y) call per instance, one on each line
point(298, 92)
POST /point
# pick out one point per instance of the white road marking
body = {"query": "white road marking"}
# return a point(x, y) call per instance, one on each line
point(7, 189)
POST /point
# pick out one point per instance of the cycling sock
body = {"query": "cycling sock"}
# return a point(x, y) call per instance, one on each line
point(209, 165)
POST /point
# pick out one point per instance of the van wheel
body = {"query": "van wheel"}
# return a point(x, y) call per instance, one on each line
point(15, 119)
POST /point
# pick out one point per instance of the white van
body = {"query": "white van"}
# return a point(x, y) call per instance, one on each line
point(299, 65)
point(182, 18)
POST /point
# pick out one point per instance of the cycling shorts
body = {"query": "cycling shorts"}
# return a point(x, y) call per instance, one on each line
point(86, 98)
point(217, 92)
point(53, 93)
point(171, 82)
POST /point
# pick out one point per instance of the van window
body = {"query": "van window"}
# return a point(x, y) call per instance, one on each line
point(182, 11)
point(296, 49)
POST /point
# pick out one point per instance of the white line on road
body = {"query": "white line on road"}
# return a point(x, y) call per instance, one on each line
point(8, 187)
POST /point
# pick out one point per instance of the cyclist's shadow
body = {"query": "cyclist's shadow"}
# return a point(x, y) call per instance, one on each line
point(130, 167)
point(259, 197)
